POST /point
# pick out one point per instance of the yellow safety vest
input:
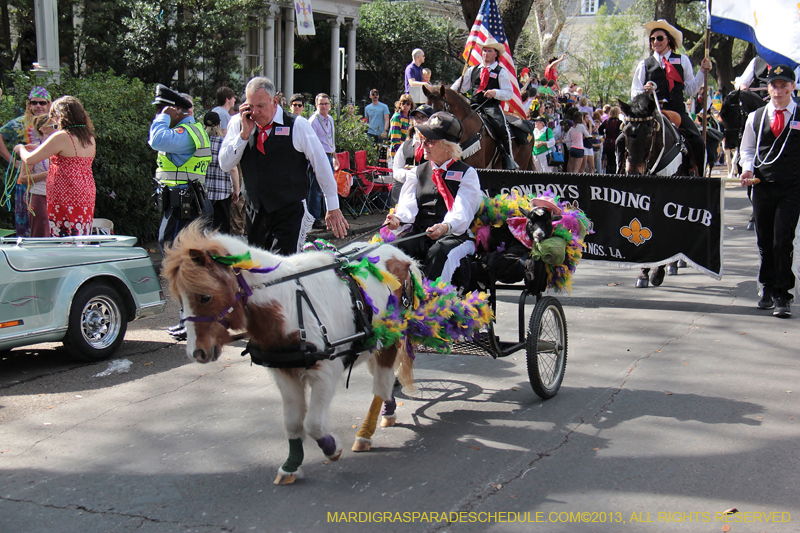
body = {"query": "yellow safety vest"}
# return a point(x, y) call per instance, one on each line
point(195, 167)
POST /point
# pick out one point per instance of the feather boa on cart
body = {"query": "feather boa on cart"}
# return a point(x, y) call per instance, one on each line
point(560, 253)
point(436, 318)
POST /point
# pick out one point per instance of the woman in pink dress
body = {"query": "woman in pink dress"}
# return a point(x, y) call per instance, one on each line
point(70, 183)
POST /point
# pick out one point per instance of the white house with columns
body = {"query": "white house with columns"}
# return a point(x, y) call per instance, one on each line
point(270, 48)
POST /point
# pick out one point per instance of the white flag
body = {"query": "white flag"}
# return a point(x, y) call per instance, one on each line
point(304, 17)
point(773, 26)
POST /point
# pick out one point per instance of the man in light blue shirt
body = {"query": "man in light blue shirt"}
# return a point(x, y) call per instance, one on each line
point(377, 114)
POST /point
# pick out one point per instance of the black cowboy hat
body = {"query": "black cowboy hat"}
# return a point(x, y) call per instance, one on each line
point(442, 125)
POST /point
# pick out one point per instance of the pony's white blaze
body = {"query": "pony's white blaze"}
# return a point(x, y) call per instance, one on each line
point(191, 334)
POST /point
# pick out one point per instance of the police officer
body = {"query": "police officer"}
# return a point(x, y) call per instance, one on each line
point(490, 84)
point(770, 153)
point(184, 153)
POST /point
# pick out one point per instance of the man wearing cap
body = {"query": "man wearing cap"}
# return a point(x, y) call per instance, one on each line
point(184, 153)
point(440, 199)
point(770, 151)
point(490, 84)
point(274, 149)
point(670, 75)
point(377, 114)
point(410, 154)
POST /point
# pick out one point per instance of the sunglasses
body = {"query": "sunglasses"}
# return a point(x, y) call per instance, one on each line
point(658, 38)
point(39, 102)
point(297, 104)
point(407, 103)
point(430, 142)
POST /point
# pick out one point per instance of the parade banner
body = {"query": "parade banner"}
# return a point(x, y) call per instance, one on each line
point(638, 220)
point(304, 17)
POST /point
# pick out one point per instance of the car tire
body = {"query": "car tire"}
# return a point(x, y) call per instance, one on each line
point(97, 322)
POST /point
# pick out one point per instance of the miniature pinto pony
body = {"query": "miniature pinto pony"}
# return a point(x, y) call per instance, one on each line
point(302, 312)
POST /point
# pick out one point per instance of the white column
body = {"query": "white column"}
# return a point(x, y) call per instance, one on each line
point(269, 70)
point(46, 17)
point(336, 80)
point(287, 87)
point(261, 56)
point(351, 61)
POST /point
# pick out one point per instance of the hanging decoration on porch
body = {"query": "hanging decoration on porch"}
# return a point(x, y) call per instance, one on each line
point(305, 17)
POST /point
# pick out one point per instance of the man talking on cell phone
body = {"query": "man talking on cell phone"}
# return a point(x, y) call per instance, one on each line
point(274, 149)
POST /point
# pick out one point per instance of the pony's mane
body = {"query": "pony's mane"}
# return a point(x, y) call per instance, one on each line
point(642, 105)
point(750, 100)
point(182, 270)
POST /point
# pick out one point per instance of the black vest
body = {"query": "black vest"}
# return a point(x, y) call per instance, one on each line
point(278, 177)
point(760, 71)
point(432, 208)
point(655, 72)
point(784, 169)
point(494, 83)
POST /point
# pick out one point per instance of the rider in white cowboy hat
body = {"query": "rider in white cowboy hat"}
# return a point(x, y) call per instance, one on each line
point(490, 85)
point(671, 75)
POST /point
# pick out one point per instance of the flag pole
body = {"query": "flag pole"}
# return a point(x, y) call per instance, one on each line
point(706, 108)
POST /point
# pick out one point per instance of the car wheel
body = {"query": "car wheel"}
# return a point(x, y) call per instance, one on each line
point(97, 322)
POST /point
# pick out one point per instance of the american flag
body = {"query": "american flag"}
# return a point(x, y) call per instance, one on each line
point(487, 25)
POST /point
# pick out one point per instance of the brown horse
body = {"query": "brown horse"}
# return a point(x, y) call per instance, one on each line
point(443, 98)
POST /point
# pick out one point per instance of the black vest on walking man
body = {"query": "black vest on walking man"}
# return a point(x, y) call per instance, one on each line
point(275, 148)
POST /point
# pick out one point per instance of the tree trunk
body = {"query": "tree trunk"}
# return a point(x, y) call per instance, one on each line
point(5, 36)
point(665, 9)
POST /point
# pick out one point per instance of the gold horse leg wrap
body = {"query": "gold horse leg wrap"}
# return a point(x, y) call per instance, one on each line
point(368, 427)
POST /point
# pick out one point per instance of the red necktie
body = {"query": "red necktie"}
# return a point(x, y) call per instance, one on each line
point(438, 180)
point(484, 80)
point(778, 122)
point(262, 137)
point(419, 151)
point(672, 74)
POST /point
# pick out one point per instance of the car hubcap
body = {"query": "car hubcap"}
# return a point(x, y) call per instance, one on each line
point(100, 322)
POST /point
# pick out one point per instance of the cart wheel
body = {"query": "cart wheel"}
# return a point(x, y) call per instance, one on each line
point(547, 347)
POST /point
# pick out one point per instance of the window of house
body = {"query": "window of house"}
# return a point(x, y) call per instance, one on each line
point(589, 7)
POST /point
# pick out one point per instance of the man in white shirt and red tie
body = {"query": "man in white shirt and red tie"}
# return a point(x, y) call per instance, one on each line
point(490, 85)
point(440, 199)
point(275, 149)
point(671, 75)
point(769, 157)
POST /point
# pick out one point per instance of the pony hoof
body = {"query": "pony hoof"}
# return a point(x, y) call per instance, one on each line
point(672, 270)
point(642, 283)
point(285, 479)
point(336, 456)
point(658, 277)
point(751, 226)
point(361, 445)
point(682, 263)
point(388, 421)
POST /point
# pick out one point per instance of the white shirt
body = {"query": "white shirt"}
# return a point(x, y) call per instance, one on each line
point(691, 83)
point(304, 139)
point(749, 75)
point(748, 148)
point(465, 204)
point(399, 171)
point(504, 93)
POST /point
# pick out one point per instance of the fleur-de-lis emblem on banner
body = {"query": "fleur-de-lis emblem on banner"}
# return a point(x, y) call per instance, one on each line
point(635, 233)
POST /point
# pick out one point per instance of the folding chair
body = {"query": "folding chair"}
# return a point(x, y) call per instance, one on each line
point(102, 226)
point(379, 190)
point(346, 184)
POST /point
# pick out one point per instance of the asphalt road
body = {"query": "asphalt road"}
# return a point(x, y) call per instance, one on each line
point(679, 403)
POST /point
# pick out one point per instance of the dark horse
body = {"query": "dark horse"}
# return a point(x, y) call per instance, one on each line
point(735, 108)
point(443, 98)
point(653, 146)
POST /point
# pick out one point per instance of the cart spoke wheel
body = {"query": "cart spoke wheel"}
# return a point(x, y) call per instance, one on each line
point(547, 347)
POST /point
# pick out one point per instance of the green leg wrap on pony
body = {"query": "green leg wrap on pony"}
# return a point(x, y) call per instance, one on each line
point(295, 456)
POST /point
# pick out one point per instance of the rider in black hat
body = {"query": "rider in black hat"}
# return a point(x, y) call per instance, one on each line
point(440, 198)
point(410, 153)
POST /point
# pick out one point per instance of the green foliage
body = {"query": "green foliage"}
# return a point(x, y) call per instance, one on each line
point(390, 31)
point(612, 53)
point(124, 165)
point(351, 135)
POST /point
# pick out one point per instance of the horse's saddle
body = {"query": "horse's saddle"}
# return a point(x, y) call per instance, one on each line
point(673, 117)
point(521, 130)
